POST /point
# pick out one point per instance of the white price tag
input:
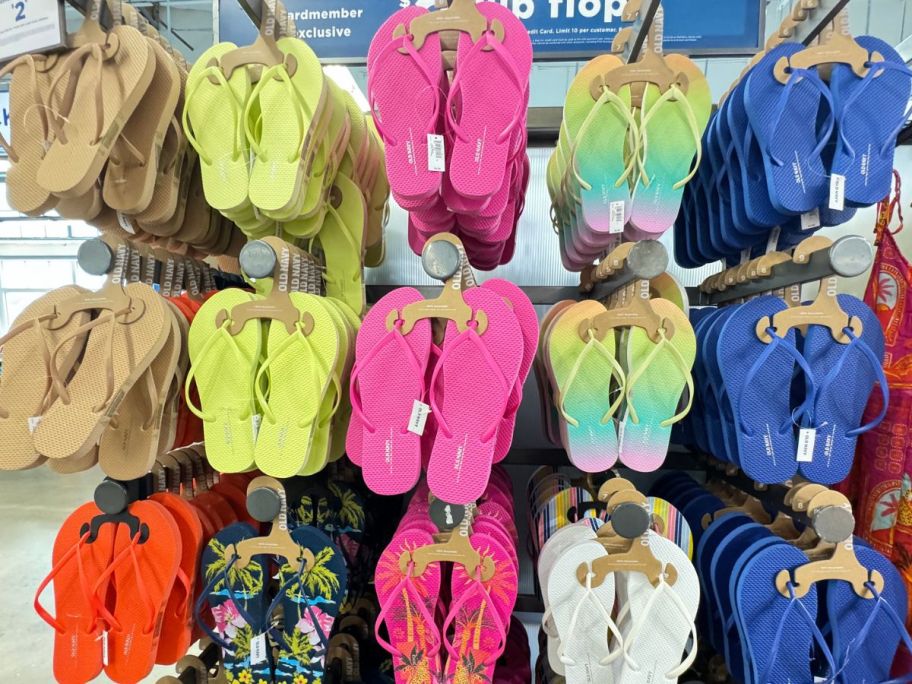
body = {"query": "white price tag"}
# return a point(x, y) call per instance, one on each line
point(258, 649)
point(33, 422)
point(837, 192)
point(810, 220)
point(436, 154)
point(807, 437)
point(418, 419)
point(125, 223)
point(30, 26)
point(616, 217)
point(255, 420)
point(773, 243)
point(105, 653)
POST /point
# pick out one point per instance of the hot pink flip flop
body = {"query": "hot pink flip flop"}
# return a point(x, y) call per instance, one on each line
point(481, 613)
point(406, 93)
point(387, 379)
point(528, 323)
point(491, 88)
point(407, 606)
point(479, 372)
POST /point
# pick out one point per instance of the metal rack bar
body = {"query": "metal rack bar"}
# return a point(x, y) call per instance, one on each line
point(817, 20)
point(849, 256)
point(641, 27)
point(255, 8)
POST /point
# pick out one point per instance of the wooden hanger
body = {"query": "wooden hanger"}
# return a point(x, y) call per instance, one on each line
point(750, 506)
point(823, 311)
point(91, 32)
point(450, 547)
point(450, 305)
point(614, 486)
point(461, 15)
point(838, 49)
point(277, 305)
point(625, 555)
point(840, 562)
point(264, 51)
point(111, 297)
point(278, 542)
point(634, 311)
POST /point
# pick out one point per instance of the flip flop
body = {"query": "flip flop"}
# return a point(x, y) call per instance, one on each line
point(290, 416)
point(469, 414)
point(390, 454)
point(223, 368)
point(657, 375)
point(342, 240)
point(78, 629)
point(26, 390)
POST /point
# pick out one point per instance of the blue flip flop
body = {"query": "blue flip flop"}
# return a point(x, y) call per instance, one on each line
point(758, 378)
point(716, 531)
point(779, 631)
point(311, 601)
point(783, 117)
point(238, 600)
point(724, 429)
point(845, 376)
point(870, 112)
point(866, 632)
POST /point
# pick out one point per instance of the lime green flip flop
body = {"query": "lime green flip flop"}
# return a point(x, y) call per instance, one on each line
point(342, 238)
point(224, 367)
point(212, 121)
point(298, 368)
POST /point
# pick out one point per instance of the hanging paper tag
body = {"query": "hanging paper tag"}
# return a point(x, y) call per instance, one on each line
point(811, 219)
point(33, 422)
point(255, 421)
point(806, 439)
point(436, 154)
point(105, 657)
point(420, 413)
point(258, 649)
point(837, 192)
point(125, 223)
point(616, 217)
point(773, 243)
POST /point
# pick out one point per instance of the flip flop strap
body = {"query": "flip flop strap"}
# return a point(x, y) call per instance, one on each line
point(469, 335)
point(119, 559)
point(221, 576)
point(316, 371)
point(780, 632)
point(214, 72)
point(676, 95)
point(59, 382)
point(606, 97)
point(392, 48)
point(354, 394)
point(487, 41)
point(74, 551)
point(795, 77)
point(617, 372)
point(641, 370)
point(300, 111)
point(45, 347)
point(592, 598)
point(776, 342)
point(412, 599)
point(875, 69)
point(221, 333)
point(74, 66)
point(487, 606)
point(663, 589)
point(876, 365)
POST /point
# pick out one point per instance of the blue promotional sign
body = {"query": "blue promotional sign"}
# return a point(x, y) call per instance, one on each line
point(340, 31)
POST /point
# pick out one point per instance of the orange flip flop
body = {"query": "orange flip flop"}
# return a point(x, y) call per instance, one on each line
point(144, 573)
point(78, 564)
point(177, 625)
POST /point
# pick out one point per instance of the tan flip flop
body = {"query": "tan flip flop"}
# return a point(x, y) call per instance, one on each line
point(104, 85)
point(68, 466)
point(129, 181)
point(129, 445)
point(85, 207)
point(26, 389)
point(120, 347)
point(166, 194)
point(28, 93)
